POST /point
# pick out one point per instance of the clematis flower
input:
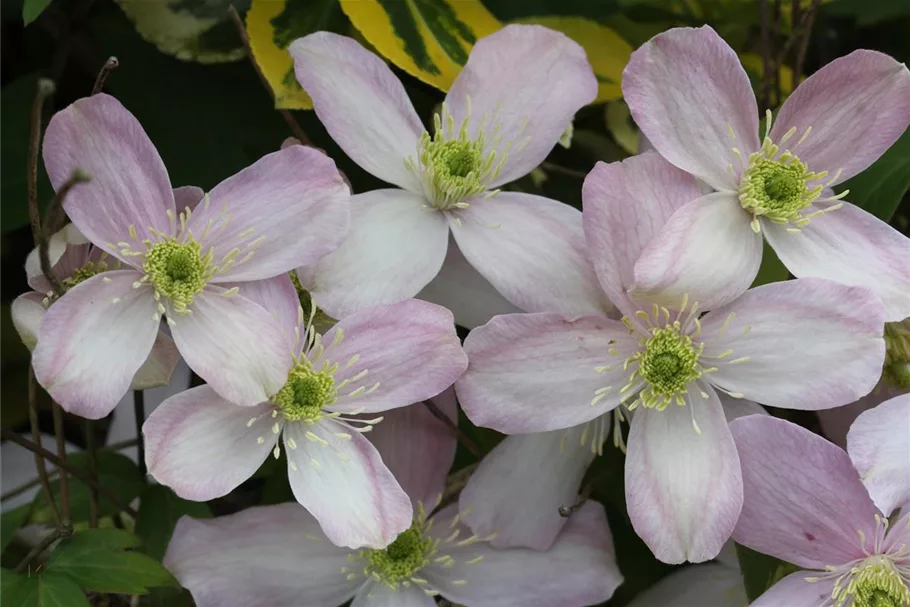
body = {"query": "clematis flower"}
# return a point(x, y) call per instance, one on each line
point(221, 563)
point(203, 446)
point(691, 97)
point(801, 344)
point(286, 209)
point(507, 108)
point(804, 503)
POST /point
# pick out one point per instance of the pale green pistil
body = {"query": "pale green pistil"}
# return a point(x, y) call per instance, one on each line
point(304, 394)
point(178, 271)
point(400, 560)
point(668, 363)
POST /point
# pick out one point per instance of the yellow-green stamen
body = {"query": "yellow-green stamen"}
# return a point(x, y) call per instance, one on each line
point(88, 270)
point(874, 583)
point(668, 362)
point(305, 393)
point(178, 271)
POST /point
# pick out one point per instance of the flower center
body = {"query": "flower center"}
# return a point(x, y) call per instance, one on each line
point(178, 271)
point(669, 362)
point(305, 393)
point(402, 559)
point(84, 273)
point(875, 583)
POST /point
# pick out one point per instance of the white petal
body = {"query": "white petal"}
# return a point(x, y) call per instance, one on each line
point(709, 584)
point(377, 594)
point(27, 310)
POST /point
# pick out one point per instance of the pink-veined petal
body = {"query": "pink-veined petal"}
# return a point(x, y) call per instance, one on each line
point(624, 205)
point(344, 483)
point(67, 249)
point(409, 350)
point(837, 421)
point(187, 196)
point(158, 367)
point(130, 184)
point(536, 372)
point(221, 561)
point(234, 344)
point(394, 248)
point(519, 487)
point(27, 310)
point(897, 535)
point(93, 340)
point(277, 296)
point(878, 446)
point(811, 344)
point(532, 250)
point(709, 584)
point(683, 488)
point(361, 103)
point(803, 501)
point(688, 93)
point(735, 408)
point(852, 247)
point(796, 591)
point(529, 81)
point(857, 107)
point(202, 446)
point(378, 594)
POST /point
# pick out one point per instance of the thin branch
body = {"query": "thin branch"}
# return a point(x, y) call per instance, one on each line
point(61, 453)
point(64, 531)
point(808, 19)
point(463, 438)
point(89, 427)
point(561, 170)
point(766, 52)
point(775, 98)
point(82, 475)
point(45, 89)
point(296, 129)
point(109, 66)
point(36, 436)
point(43, 241)
point(568, 511)
point(139, 408)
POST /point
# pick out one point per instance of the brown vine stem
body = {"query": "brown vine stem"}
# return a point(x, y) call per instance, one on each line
point(454, 429)
point(43, 241)
point(296, 129)
point(109, 66)
point(562, 170)
point(766, 52)
point(61, 453)
point(36, 436)
point(807, 27)
point(58, 533)
point(139, 409)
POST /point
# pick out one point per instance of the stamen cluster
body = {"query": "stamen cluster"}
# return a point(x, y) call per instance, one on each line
point(668, 362)
point(178, 271)
point(305, 393)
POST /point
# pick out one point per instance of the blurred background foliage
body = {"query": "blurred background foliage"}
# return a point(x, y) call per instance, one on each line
point(185, 74)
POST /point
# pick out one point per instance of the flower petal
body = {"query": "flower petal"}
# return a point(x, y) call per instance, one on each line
point(857, 106)
point(187, 196)
point(235, 345)
point(344, 483)
point(518, 489)
point(417, 447)
point(93, 340)
point(462, 289)
point(796, 591)
point(811, 344)
point(529, 81)
point(278, 296)
point(66, 251)
point(683, 488)
point(878, 446)
point(221, 560)
point(707, 250)
point(361, 103)
point(536, 372)
point(735, 408)
point(130, 184)
point(624, 204)
point(579, 569)
point(378, 594)
point(393, 250)
point(803, 501)
point(708, 584)
point(202, 446)
point(897, 535)
point(495, 236)
point(27, 311)
point(157, 369)
point(409, 349)
point(688, 93)
point(837, 421)
point(852, 247)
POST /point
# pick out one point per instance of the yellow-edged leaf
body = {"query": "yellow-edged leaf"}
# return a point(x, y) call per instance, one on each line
point(429, 39)
point(607, 51)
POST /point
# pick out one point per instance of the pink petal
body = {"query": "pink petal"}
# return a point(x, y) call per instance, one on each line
point(707, 250)
point(221, 561)
point(536, 372)
point(857, 106)
point(683, 489)
point(157, 368)
point(812, 344)
point(279, 297)
point(710, 584)
point(66, 250)
point(130, 184)
point(579, 569)
point(852, 247)
point(345, 485)
point(462, 289)
point(393, 250)
point(528, 80)
point(624, 204)
point(796, 591)
point(735, 408)
point(837, 421)
point(518, 489)
point(202, 446)
point(93, 340)
point(803, 501)
point(361, 103)
point(377, 594)
point(410, 349)
point(494, 235)
point(288, 209)
point(688, 93)
point(897, 536)
point(417, 447)
point(187, 196)
point(878, 446)
point(234, 344)
point(27, 310)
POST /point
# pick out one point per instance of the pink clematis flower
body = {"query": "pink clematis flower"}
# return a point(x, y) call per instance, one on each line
point(509, 105)
point(801, 344)
point(691, 97)
point(221, 561)
point(804, 503)
point(286, 209)
point(203, 446)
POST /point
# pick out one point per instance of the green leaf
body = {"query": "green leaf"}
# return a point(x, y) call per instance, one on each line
point(880, 188)
point(159, 511)
point(771, 269)
point(47, 590)
point(10, 582)
point(32, 9)
point(760, 571)
point(115, 471)
point(10, 522)
point(95, 560)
